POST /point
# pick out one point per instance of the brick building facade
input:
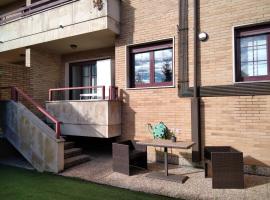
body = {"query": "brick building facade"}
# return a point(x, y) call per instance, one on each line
point(238, 121)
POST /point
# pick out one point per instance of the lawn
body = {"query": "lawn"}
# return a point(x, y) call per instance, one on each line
point(20, 184)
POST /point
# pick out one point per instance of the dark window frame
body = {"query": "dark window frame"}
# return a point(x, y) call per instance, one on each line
point(151, 48)
point(80, 65)
point(262, 29)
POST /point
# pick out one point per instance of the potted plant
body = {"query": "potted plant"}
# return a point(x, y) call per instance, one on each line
point(159, 131)
point(173, 137)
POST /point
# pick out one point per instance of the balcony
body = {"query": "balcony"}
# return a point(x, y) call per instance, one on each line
point(46, 21)
point(97, 116)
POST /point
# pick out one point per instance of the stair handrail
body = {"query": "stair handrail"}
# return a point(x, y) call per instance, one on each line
point(15, 92)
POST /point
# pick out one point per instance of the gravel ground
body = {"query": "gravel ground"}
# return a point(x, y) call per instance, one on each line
point(99, 170)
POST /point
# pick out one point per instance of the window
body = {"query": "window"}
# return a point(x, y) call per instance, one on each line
point(151, 65)
point(83, 74)
point(253, 53)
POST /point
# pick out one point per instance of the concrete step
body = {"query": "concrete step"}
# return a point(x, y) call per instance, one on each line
point(69, 145)
point(76, 160)
point(72, 152)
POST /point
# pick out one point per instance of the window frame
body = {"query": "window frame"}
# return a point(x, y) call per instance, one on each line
point(248, 31)
point(150, 47)
point(80, 65)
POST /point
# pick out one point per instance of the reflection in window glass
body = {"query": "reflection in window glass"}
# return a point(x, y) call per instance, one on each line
point(142, 68)
point(163, 65)
point(253, 56)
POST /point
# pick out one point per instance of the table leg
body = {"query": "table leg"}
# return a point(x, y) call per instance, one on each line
point(166, 161)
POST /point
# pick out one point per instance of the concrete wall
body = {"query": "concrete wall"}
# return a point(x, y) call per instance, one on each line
point(32, 138)
point(78, 17)
point(94, 118)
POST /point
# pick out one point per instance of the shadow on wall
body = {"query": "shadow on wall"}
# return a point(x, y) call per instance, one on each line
point(252, 165)
point(128, 117)
point(202, 113)
point(127, 24)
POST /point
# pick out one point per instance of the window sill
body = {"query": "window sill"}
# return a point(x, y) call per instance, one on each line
point(148, 88)
point(243, 82)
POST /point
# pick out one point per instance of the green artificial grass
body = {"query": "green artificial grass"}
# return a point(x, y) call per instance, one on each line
point(20, 184)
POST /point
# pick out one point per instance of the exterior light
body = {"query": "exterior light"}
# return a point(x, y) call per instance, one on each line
point(73, 46)
point(61, 26)
point(203, 36)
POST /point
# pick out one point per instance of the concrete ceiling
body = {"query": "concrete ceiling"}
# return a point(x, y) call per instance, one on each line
point(6, 2)
point(96, 40)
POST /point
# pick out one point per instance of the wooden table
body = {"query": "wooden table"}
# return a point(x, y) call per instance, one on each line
point(167, 144)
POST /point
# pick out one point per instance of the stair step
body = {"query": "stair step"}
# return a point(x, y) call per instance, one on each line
point(69, 145)
point(73, 152)
point(76, 160)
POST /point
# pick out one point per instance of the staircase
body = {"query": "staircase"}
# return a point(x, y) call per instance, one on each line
point(73, 156)
point(40, 143)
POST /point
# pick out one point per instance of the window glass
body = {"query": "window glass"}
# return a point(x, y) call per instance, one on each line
point(152, 64)
point(163, 65)
point(253, 54)
point(142, 68)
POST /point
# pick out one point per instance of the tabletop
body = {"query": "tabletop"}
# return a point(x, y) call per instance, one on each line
point(167, 143)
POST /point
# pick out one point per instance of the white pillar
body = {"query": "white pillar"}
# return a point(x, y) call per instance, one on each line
point(28, 57)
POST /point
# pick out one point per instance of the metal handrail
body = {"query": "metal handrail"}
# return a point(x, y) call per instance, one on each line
point(32, 8)
point(77, 88)
point(14, 96)
point(113, 91)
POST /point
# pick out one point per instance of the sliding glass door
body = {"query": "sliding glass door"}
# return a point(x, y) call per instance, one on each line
point(83, 74)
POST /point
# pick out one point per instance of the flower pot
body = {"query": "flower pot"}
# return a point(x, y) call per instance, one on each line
point(173, 139)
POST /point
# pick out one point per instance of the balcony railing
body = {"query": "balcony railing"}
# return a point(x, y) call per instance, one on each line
point(113, 91)
point(31, 9)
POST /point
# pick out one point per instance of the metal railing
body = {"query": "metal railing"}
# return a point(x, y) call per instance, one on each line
point(31, 9)
point(15, 92)
point(113, 91)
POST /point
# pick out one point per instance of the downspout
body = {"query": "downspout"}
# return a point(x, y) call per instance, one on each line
point(195, 102)
point(183, 73)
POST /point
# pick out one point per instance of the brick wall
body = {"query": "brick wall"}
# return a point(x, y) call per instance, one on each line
point(44, 73)
point(140, 22)
point(14, 75)
point(242, 122)
point(238, 121)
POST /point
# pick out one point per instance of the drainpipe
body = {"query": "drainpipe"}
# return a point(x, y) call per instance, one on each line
point(185, 90)
point(195, 102)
